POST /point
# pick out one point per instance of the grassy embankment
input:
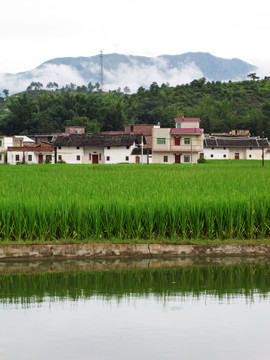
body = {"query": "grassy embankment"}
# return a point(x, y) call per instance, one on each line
point(216, 202)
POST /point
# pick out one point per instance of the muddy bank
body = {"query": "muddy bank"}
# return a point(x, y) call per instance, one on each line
point(114, 250)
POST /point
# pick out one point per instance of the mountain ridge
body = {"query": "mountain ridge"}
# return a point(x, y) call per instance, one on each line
point(130, 70)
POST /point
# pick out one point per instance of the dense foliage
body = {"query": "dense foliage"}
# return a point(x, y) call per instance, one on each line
point(221, 107)
point(216, 200)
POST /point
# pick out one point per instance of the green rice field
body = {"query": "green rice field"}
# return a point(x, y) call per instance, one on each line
point(218, 200)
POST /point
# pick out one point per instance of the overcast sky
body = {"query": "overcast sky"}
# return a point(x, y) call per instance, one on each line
point(34, 31)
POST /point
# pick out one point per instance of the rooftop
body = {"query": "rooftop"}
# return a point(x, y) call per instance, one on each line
point(98, 140)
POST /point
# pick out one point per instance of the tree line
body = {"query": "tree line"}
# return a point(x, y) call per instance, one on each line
point(221, 107)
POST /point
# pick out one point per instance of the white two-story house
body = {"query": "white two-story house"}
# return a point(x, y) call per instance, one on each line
point(182, 144)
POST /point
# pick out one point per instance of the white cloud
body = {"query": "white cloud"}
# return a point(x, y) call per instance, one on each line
point(137, 75)
point(132, 75)
point(61, 74)
point(263, 68)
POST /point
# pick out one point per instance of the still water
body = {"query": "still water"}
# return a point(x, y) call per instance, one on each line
point(118, 312)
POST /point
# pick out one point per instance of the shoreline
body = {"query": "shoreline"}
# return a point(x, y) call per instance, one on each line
point(122, 250)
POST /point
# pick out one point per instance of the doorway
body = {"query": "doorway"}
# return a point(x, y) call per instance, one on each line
point(40, 158)
point(95, 159)
point(177, 158)
point(236, 156)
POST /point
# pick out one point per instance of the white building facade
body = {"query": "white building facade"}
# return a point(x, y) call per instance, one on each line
point(96, 149)
point(182, 144)
point(236, 148)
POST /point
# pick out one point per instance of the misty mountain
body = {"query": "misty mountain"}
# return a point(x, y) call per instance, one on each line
point(130, 70)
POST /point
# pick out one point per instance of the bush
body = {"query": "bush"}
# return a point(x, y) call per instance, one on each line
point(201, 161)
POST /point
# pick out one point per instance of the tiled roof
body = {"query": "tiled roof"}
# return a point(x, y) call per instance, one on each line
point(234, 142)
point(138, 151)
point(98, 140)
point(38, 148)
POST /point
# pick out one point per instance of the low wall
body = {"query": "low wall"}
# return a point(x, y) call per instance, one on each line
point(115, 250)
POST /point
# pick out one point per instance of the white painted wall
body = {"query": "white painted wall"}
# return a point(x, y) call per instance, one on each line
point(117, 154)
point(216, 154)
point(6, 141)
point(244, 153)
point(188, 124)
point(11, 157)
point(69, 154)
point(161, 133)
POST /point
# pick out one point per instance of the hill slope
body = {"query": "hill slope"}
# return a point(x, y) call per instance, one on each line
point(129, 70)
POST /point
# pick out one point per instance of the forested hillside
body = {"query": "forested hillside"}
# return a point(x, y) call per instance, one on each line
point(221, 107)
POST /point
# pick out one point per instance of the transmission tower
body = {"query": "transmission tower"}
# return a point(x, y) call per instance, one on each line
point(101, 71)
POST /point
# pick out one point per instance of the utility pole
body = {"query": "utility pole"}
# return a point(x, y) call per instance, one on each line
point(142, 148)
point(263, 148)
point(191, 150)
point(101, 71)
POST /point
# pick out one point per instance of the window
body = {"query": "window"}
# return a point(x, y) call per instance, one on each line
point(224, 148)
point(161, 141)
point(49, 157)
point(212, 155)
point(186, 158)
point(224, 155)
point(131, 128)
point(178, 126)
point(0, 142)
point(60, 157)
point(250, 156)
point(108, 158)
point(127, 147)
point(0, 157)
point(127, 158)
point(59, 147)
point(78, 147)
point(29, 157)
point(186, 141)
point(108, 147)
point(250, 148)
point(78, 158)
point(165, 158)
point(17, 157)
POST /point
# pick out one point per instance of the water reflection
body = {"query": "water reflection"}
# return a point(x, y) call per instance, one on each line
point(216, 280)
point(204, 312)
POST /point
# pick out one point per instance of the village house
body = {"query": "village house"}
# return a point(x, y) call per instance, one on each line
point(145, 130)
point(35, 154)
point(97, 149)
point(235, 147)
point(12, 141)
point(182, 144)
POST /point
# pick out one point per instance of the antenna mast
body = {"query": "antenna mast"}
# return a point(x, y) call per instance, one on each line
point(101, 70)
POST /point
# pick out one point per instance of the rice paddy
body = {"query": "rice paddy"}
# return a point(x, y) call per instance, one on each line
point(217, 200)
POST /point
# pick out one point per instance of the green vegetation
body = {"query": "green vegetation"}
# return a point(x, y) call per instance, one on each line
point(221, 107)
point(219, 281)
point(216, 200)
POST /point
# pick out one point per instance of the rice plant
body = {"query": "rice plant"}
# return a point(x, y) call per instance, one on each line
point(216, 200)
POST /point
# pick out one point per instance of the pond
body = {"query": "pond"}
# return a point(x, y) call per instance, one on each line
point(150, 309)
